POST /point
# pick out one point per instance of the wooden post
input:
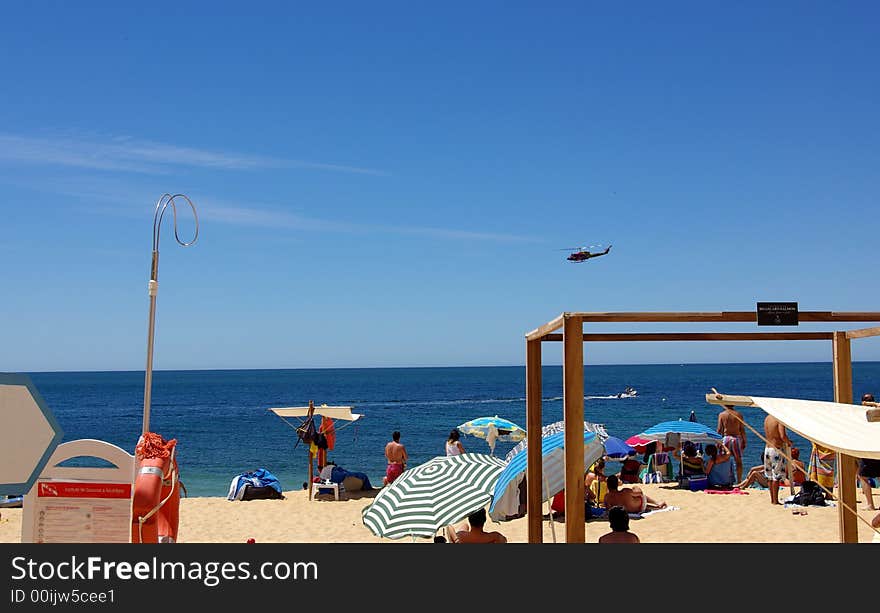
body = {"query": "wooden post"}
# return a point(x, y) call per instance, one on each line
point(573, 394)
point(534, 487)
point(846, 465)
point(311, 470)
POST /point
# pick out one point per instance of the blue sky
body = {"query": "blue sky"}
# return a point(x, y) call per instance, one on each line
point(392, 184)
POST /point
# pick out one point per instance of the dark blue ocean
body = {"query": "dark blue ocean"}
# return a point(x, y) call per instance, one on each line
point(223, 427)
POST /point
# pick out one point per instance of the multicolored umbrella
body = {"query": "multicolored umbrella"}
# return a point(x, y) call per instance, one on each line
point(433, 495)
point(505, 496)
point(687, 430)
point(493, 429)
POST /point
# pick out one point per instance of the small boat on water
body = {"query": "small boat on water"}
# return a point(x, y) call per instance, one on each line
point(11, 502)
point(629, 392)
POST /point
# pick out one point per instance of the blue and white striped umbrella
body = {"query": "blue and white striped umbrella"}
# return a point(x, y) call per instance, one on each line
point(428, 497)
point(689, 430)
point(505, 496)
point(557, 426)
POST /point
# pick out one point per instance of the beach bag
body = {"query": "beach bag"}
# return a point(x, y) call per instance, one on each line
point(307, 432)
point(652, 476)
point(810, 495)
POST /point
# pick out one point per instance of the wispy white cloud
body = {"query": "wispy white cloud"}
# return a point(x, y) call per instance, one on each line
point(131, 155)
point(272, 217)
point(108, 196)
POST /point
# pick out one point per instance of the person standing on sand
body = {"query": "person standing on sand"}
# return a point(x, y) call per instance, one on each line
point(730, 427)
point(619, 520)
point(774, 461)
point(396, 455)
point(474, 533)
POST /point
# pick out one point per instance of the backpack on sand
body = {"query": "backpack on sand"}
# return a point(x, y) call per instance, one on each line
point(810, 495)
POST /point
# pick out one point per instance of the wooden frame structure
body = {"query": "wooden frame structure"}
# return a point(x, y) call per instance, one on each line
point(573, 338)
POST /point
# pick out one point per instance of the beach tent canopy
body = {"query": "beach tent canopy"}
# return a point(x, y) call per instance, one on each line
point(343, 413)
point(842, 427)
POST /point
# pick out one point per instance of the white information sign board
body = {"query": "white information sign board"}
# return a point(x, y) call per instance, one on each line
point(70, 504)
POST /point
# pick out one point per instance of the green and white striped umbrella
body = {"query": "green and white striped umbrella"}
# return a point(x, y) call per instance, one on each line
point(432, 495)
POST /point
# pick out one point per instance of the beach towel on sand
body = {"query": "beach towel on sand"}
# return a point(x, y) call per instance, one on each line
point(651, 512)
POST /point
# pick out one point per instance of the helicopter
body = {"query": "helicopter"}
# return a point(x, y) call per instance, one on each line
point(582, 254)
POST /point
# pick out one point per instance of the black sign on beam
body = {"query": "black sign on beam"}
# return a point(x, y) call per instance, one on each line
point(777, 313)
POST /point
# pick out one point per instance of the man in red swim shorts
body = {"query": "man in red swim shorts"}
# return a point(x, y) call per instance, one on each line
point(395, 453)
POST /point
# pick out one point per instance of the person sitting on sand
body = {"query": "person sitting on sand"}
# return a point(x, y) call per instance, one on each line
point(691, 461)
point(717, 466)
point(632, 499)
point(619, 520)
point(756, 473)
point(474, 532)
point(595, 485)
point(629, 470)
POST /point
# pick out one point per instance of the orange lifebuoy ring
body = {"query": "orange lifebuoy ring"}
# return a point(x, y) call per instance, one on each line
point(147, 497)
point(156, 499)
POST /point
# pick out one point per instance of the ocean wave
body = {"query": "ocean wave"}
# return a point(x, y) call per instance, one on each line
point(463, 401)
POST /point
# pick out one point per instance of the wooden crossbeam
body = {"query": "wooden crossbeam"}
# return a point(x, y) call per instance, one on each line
point(699, 336)
point(863, 333)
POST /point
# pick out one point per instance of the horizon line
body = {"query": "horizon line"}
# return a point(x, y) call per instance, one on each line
point(425, 367)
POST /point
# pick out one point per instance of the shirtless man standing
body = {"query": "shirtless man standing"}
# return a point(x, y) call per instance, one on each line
point(730, 426)
point(774, 461)
point(632, 499)
point(396, 455)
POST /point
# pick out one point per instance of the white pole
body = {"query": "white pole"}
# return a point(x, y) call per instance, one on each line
point(161, 205)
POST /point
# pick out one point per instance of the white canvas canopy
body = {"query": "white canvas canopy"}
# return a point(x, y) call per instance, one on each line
point(343, 413)
point(842, 427)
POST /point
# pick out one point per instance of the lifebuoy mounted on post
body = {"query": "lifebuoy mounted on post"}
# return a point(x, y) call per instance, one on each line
point(156, 499)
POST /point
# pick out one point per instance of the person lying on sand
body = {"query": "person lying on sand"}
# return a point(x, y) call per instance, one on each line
point(632, 499)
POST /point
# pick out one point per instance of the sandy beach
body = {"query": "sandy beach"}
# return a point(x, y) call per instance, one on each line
point(699, 518)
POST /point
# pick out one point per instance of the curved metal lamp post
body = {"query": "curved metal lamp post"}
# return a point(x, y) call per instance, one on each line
point(161, 205)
